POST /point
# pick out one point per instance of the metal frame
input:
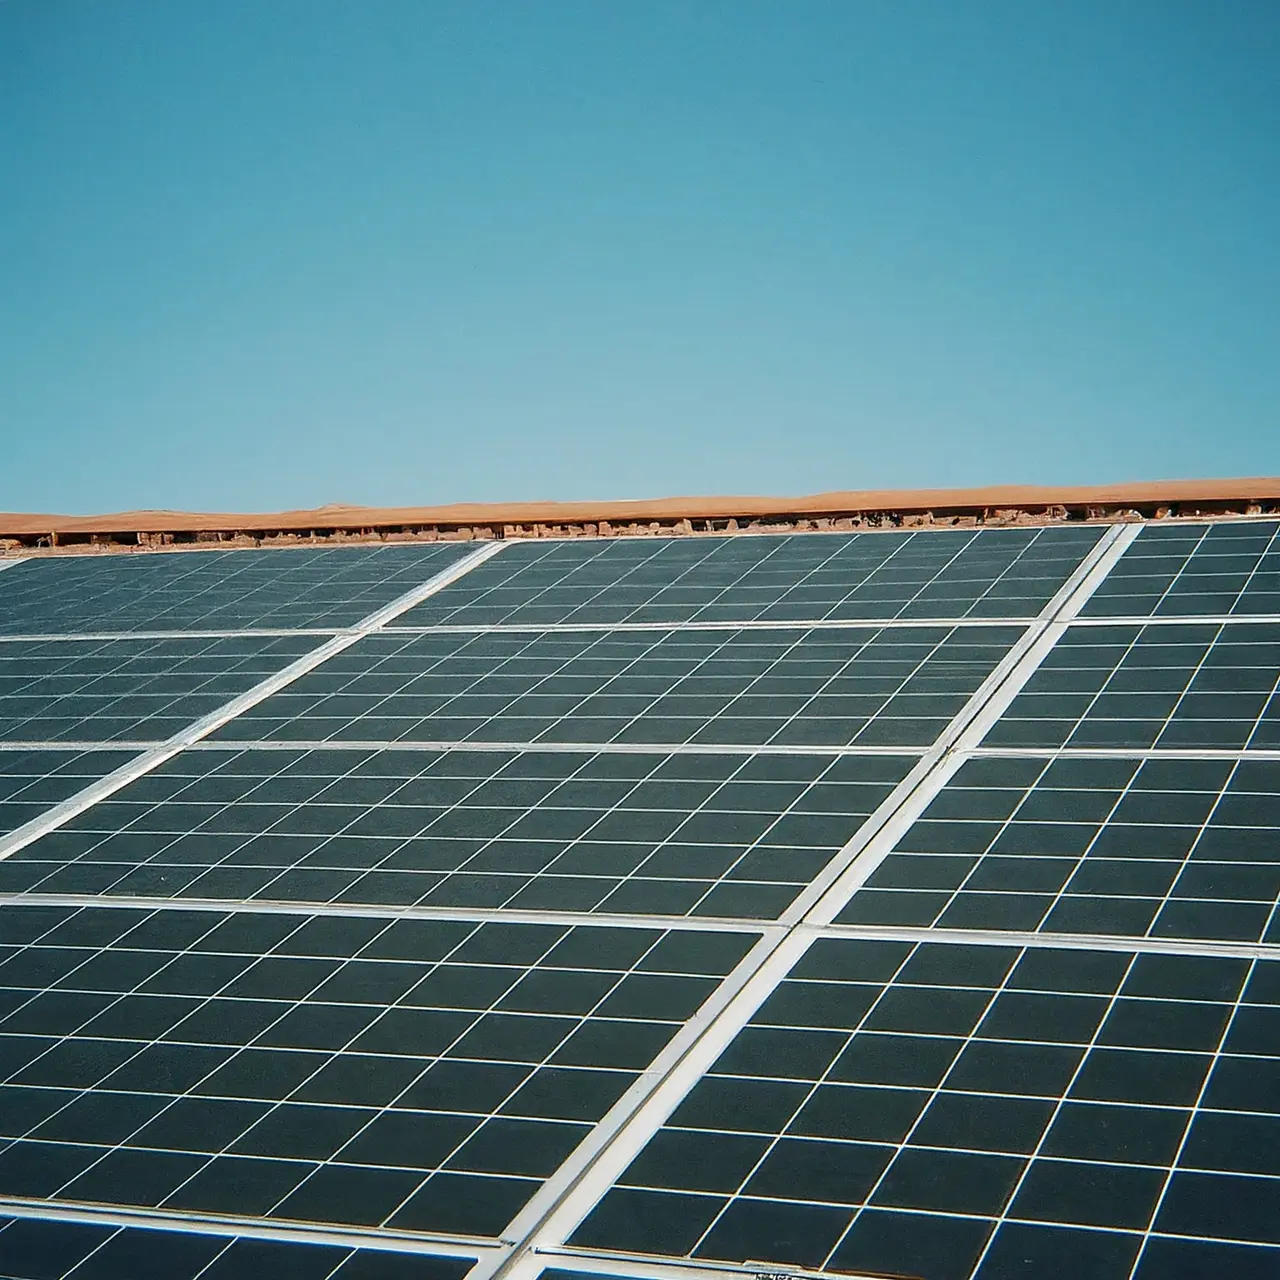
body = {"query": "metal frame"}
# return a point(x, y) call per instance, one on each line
point(231, 1226)
point(374, 911)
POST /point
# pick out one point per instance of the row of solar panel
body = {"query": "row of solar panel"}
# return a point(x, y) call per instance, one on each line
point(427, 1075)
point(715, 835)
point(1224, 568)
point(1186, 686)
point(927, 1108)
point(826, 687)
point(1164, 848)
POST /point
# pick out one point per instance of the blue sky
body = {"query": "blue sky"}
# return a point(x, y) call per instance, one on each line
point(261, 255)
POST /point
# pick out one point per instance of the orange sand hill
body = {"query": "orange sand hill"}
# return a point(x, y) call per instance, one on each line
point(835, 504)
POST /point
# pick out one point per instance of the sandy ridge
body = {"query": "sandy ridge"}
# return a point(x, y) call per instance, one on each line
point(833, 504)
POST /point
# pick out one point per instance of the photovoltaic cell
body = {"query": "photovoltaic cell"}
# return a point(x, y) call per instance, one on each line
point(1178, 570)
point(655, 834)
point(50, 1249)
point(1193, 685)
point(817, 687)
point(424, 1075)
point(31, 782)
point(1167, 848)
point(1005, 573)
point(949, 1111)
point(213, 590)
point(109, 690)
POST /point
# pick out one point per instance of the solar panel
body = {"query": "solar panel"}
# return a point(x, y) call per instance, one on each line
point(213, 590)
point(109, 690)
point(1195, 569)
point(1162, 848)
point(1192, 685)
point(828, 687)
point(1009, 573)
point(32, 782)
point(879, 904)
point(717, 835)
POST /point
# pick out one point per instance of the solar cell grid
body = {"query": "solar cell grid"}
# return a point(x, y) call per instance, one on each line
point(881, 687)
point(31, 782)
point(714, 835)
point(111, 690)
point(1164, 848)
point(1198, 685)
point(994, 573)
point(947, 1111)
point(222, 1043)
point(421, 1074)
point(1180, 570)
point(213, 590)
point(34, 1249)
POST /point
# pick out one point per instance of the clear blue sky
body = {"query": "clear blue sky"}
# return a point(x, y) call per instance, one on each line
point(272, 253)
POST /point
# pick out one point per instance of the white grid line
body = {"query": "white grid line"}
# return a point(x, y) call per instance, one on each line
point(553, 748)
point(967, 732)
point(812, 1088)
point(1253, 573)
point(129, 685)
point(571, 628)
point(1050, 941)
point(774, 954)
point(553, 1250)
point(986, 856)
point(99, 637)
point(651, 748)
point(724, 987)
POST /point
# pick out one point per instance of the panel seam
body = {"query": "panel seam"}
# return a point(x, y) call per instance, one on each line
point(384, 911)
point(232, 1226)
point(742, 624)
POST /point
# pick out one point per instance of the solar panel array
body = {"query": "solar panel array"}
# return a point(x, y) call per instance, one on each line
point(894, 904)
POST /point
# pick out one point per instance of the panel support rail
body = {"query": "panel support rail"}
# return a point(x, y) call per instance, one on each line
point(232, 1227)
